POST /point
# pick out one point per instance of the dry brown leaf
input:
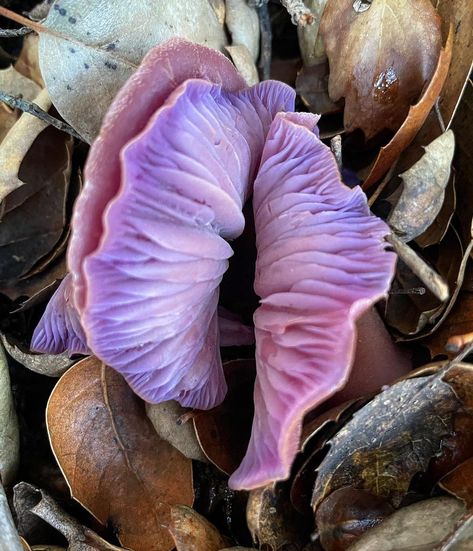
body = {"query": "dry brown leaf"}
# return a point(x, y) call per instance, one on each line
point(423, 191)
point(392, 438)
point(460, 14)
point(35, 209)
point(41, 504)
point(28, 61)
point(415, 118)
point(93, 42)
point(113, 460)
point(380, 59)
point(417, 527)
point(459, 482)
point(193, 532)
point(166, 419)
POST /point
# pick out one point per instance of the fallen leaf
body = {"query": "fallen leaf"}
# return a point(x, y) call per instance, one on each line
point(346, 515)
point(415, 118)
point(44, 364)
point(272, 520)
point(166, 419)
point(112, 458)
point(423, 192)
point(80, 49)
point(193, 532)
point(243, 61)
point(390, 440)
point(460, 14)
point(9, 538)
point(28, 61)
point(461, 536)
point(459, 482)
point(34, 216)
point(9, 432)
point(224, 432)
point(80, 538)
point(417, 527)
point(380, 59)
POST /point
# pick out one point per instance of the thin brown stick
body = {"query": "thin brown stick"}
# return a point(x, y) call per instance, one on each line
point(28, 107)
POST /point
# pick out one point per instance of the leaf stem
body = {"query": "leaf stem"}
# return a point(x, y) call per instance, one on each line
point(21, 20)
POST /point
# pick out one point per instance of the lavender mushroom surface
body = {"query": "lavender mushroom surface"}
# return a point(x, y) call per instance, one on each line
point(182, 148)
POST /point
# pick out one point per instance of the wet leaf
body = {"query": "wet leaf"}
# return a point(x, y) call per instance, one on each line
point(92, 41)
point(416, 117)
point(346, 515)
point(192, 532)
point(80, 538)
point(113, 460)
point(272, 520)
point(224, 432)
point(390, 440)
point(167, 419)
point(9, 432)
point(44, 364)
point(424, 189)
point(420, 526)
point(34, 216)
point(380, 59)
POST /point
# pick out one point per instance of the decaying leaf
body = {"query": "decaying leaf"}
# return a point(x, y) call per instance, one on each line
point(9, 432)
point(424, 189)
point(415, 118)
point(224, 432)
point(272, 520)
point(346, 515)
point(44, 364)
point(28, 61)
point(391, 439)
point(380, 59)
point(419, 526)
point(92, 41)
point(80, 538)
point(9, 538)
point(193, 532)
point(37, 180)
point(166, 419)
point(459, 482)
point(112, 458)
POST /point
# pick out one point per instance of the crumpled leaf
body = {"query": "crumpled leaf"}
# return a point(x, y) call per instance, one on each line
point(92, 41)
point(113, 460)
point(415, 118)
point(380, 59)
point(419, 526)
point(392, 438)
point(272, 520)
point(9, 538)
point(9, 431)
point(41, 504)
point(424, 189)
point(193, 532)
point(166, 419)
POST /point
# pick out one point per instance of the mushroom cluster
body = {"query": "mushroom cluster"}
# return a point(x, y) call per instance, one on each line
point(183, 146)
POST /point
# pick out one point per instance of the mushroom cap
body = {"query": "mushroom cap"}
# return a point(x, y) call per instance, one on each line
point(322, 262)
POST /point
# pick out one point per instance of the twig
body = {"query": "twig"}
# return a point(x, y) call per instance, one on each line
point(299, 12)
point(421, 269)
point(382, 185)
point(439, 116)
point(12, 33)
point(21, 20)
point(28, 107)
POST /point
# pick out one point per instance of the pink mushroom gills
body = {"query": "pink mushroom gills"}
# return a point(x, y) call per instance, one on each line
point(183, 146)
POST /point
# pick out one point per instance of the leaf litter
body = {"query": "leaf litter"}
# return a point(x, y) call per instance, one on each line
point(148, 477)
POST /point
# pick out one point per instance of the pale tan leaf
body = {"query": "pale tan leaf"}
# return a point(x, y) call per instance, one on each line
point(193, 532)
point(244, 63)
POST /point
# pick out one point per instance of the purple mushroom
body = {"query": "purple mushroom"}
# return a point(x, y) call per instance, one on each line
point(178, 155)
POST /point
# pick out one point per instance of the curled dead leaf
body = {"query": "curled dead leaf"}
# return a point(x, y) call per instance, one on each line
point(112, 458)
point(193, 532)
point(380, 59)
